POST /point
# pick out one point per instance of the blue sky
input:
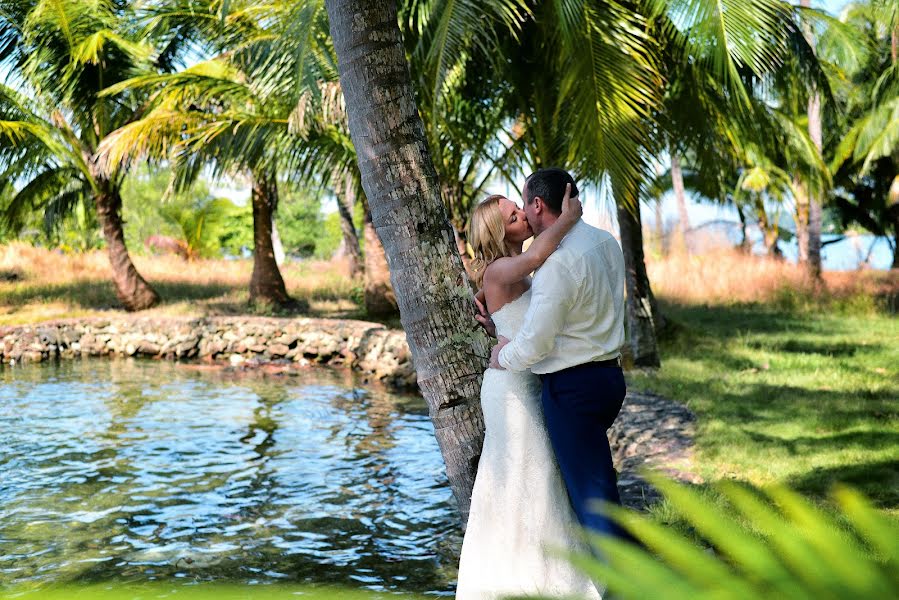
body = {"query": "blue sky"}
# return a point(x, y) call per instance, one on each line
point(831, 6)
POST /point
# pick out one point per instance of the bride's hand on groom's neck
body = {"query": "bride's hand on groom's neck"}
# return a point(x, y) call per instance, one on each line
point(572, 209)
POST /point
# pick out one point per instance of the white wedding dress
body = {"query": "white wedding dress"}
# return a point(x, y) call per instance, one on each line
point(520, 515)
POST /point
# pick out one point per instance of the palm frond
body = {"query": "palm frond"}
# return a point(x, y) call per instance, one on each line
point(449, 33)
point(770, 543)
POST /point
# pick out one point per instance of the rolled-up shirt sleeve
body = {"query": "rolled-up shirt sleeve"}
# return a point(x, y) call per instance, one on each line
point(552, 295)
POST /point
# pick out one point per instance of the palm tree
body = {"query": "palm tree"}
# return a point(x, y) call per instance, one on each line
point(810, 246)
point(344, 192)
point(244, 110)
point(453, 58)
point(201, 222)
point(601, 92)
point(401, 184)
point(328, 158)
point(594, 90)
point(53, 118)
point(866, 148)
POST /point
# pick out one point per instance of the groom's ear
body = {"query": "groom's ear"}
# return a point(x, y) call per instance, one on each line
point(538, 204)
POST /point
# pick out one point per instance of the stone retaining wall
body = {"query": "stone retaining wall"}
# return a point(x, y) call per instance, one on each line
point(367, 347)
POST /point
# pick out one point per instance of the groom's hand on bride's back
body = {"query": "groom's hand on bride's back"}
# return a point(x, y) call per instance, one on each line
point(483, 317)
point(494, 354)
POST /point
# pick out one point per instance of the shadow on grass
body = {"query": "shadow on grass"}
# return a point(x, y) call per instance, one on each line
point(866, 440)
point(742, 404)
point(719, 321)
point(781, 392)
point(806, 347)
point(879, 481)
point(219, 299)
point(101, 295)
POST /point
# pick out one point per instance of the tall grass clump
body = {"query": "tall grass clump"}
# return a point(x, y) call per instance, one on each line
point(729, 277)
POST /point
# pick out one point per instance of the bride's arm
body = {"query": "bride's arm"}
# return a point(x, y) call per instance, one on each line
point(481, 296)
point(515, 268)
point(483, 317)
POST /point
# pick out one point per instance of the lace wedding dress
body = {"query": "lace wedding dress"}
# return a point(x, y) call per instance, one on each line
point(520, 512)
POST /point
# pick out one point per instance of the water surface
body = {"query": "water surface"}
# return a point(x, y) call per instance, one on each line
point(133, 471)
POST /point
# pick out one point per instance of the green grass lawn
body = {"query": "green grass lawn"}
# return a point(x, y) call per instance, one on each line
point(805, 396)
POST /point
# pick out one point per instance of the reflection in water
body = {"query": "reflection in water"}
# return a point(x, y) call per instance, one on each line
point(138, 470)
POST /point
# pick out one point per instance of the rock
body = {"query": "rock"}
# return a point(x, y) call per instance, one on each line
point(365, 347)
point(148, 347)
point(187, 348)
point(651, 432)
point(278, 349)
point(212, 348)
point(286, 339)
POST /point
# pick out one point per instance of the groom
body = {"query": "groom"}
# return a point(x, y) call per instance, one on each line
point(570, 337)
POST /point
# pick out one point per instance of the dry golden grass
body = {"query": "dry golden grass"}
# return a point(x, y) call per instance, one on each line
point(52, 285)
point(48, 284)
point(727, 276)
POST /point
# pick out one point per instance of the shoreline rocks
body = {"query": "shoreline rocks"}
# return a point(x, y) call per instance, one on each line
point(654, 433)
point(367, 347)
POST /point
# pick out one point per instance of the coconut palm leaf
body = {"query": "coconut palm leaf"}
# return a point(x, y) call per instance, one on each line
point(764, 544)
point(449, 34)
point(878, 134)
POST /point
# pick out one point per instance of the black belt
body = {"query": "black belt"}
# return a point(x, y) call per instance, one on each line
point(610, 362)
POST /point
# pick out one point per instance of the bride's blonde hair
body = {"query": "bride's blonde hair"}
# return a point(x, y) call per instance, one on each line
point(487, 236)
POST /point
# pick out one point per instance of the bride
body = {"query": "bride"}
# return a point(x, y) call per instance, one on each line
point(520, 516)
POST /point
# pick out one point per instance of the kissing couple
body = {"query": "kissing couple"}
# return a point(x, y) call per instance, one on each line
point(554, 387)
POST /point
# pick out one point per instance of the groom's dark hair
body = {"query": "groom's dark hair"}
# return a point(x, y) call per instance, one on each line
point(549, 184)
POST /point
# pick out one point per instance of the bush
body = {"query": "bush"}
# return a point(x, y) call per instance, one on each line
point(304, 230)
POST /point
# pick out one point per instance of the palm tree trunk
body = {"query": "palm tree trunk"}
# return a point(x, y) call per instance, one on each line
point(380, 299)
point(770, 230)
point(660, 228)
point(131, 288)
point(677, 181)
point(452, 200)
point(642, 310)
point(345, 201)
point(277, 246)
point(815, 209)
point(893, 215)
point(462, 248)
point(802, 219)
point(894, 44)
point(266, 283)
point(436, 305)
point(745, 245)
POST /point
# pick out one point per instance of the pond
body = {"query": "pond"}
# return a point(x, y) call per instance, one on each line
point(136, 471)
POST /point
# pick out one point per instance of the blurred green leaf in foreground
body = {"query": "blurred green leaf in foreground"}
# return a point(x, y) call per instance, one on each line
point(758, 544)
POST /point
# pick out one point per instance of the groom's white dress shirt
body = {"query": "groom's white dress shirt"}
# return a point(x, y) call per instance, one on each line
point(576, 315)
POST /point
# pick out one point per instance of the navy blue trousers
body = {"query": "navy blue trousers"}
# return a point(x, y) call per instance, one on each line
point(579, 405)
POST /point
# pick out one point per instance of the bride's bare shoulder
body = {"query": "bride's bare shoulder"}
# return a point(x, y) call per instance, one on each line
point(498, 293)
